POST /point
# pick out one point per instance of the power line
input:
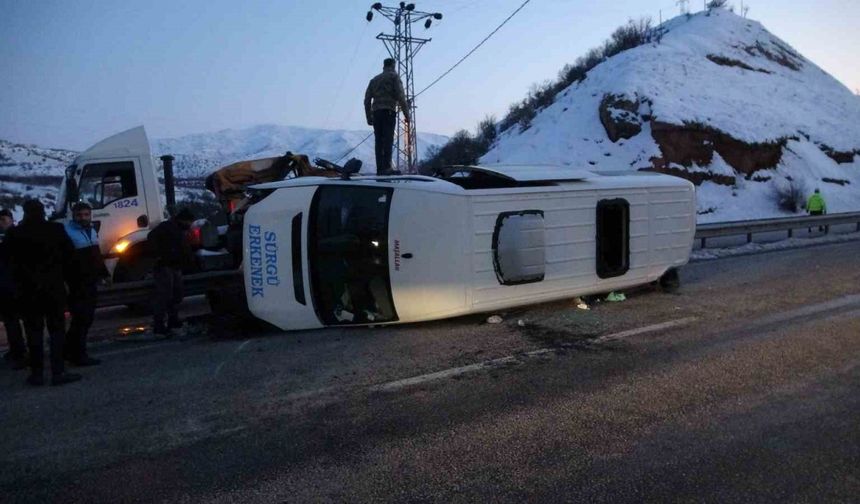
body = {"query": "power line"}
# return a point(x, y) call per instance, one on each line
point(344, 76)
point(474, 48)
point(455, 65)
point(403, 47)
point(347, 153)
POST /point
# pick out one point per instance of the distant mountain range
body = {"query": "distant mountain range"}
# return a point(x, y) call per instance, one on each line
point(27, 160)
point(199, 154)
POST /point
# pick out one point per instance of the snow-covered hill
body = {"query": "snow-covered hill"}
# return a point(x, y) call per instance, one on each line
point(31, 160)
point(32, 171)
point(718, 100)
point(29, 171)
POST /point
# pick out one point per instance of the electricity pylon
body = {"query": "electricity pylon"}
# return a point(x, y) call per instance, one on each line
point(403, 48)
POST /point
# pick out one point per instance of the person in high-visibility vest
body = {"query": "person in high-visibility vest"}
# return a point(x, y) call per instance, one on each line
point(816, 206)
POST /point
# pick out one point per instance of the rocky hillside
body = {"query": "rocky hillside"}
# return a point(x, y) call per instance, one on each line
point(716, 99)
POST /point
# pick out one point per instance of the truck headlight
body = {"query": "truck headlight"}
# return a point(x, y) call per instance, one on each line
point(120, 246)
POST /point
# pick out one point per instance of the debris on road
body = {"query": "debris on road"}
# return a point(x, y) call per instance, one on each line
point(521, 323)
point(582, 305)
point(616, 297)
point(139, 333)
point(494, 319)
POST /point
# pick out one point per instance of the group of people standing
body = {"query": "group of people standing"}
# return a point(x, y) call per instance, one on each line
point(47, 267)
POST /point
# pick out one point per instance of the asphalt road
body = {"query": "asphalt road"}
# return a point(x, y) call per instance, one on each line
point(742, 387)
point(110, 323)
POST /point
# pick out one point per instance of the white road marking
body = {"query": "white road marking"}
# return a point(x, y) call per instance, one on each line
point(225, 361)
point(642, 330)
point(806, 311)
point(513, 359)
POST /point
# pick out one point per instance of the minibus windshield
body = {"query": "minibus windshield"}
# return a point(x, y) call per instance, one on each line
point(348, 255)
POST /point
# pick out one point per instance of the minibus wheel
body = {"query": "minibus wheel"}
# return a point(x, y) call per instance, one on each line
point(670, 281)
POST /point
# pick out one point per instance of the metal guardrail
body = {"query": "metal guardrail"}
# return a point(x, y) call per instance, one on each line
point(788, 224)
point(141, 293)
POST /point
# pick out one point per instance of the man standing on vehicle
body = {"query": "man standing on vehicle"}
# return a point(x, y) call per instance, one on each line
point(89, 269)
point(40, 253)
point(17, 354)
point(384, 93)
point(816, 206)
point(172, 252)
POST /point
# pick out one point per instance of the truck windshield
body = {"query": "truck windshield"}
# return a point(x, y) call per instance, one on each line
point(348, 255)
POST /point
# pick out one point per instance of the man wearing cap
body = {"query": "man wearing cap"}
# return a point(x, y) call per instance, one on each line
point(384, 93)
point(172, 252)
point(89, 269)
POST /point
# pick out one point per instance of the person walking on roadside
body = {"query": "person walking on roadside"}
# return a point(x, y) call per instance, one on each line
point(384, 93)
point(17, 354)
point(40, 254)
point(172, 252)
point(89, 269)
point(816, 206)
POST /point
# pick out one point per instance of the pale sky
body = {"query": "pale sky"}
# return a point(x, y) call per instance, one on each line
point(75, 71)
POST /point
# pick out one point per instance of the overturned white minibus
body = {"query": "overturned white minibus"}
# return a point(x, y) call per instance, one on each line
point(396, 249)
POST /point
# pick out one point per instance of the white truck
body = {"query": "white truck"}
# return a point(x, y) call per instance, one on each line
point(396, 249)
point(118, 178)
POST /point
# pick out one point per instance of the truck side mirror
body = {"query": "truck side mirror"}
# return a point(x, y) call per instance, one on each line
point(143, 221)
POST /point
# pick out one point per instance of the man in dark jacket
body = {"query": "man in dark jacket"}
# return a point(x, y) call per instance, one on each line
point(89, 269)
point(172, 252)
point(384, 93)
point(40, 252)
point(17, 354)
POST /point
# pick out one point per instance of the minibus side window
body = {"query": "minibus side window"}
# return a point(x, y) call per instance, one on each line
point(613, 237)
point(519, 254)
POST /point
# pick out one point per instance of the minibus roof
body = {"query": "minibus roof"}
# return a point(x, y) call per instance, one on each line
point(526, 172)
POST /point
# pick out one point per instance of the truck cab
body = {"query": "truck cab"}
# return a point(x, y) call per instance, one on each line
point(117, 177)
